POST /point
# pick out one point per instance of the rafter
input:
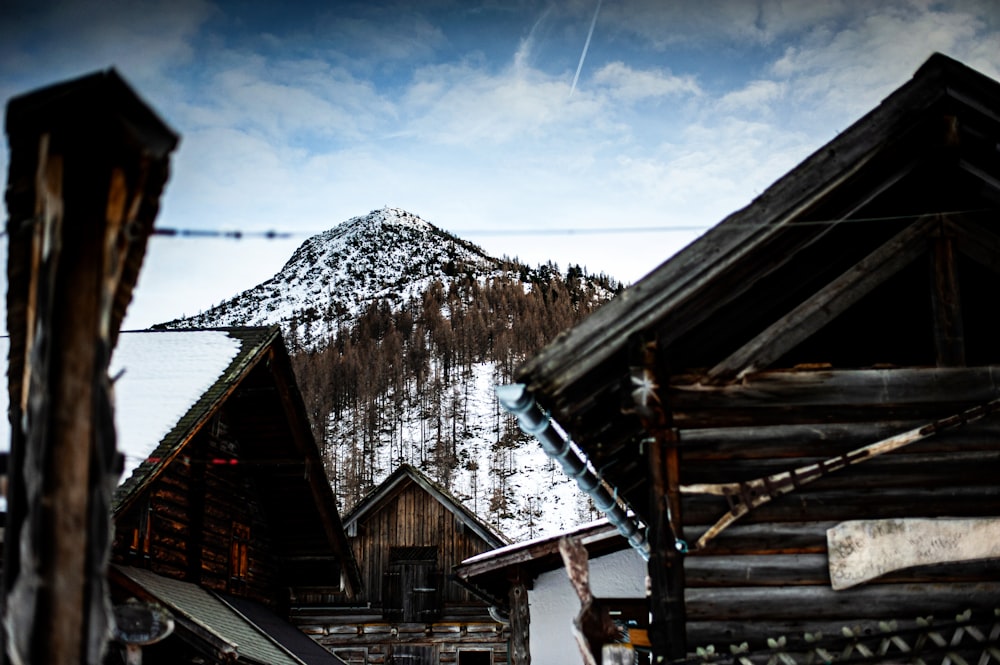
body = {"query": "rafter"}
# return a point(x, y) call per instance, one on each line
point(831, 301)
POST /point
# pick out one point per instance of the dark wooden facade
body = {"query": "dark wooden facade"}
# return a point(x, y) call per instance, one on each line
point(406, 536)
point(853, 301)
point(234, 500)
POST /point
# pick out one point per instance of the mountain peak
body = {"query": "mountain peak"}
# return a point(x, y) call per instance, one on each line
point(389, 253)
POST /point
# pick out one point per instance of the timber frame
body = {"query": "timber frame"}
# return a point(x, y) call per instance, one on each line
point(854, 301)
point(407, 535)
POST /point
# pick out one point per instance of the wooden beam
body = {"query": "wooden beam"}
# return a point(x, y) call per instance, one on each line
point(520, 621)
point(831, 301)
point(88, 163)
point(946, 303)
point(930, 388)
point(666, 564)
point(863, 550)
point(974, 241)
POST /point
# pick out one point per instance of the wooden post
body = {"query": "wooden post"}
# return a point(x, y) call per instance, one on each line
point(88, 161)
point(946, 303)
point(520, 619)
point(667, 624)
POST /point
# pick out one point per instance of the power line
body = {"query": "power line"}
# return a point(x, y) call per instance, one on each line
point(272, 234)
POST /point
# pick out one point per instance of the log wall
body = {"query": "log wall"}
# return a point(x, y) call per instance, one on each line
point(767, 575)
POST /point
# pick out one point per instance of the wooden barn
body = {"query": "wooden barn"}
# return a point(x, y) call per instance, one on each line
point(406, 536)
point(800, 404)
point(227, 519)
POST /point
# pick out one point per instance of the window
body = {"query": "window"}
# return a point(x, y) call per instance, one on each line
point(239, 556)
point(141, 544)
point(478, 657)
point(411, 587)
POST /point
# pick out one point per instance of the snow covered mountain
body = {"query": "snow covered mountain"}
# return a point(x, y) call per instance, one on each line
point(400, 331)
point(387, 254)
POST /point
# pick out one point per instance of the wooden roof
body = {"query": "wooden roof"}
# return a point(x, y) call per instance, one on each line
point(221, 626)
point(407, 474)
point(272, 425)
point(818, 269)
point(490, 573)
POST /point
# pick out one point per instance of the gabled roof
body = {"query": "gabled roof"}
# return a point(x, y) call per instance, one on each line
point(170, 383)
point(769, 286)
point(171, 386)
point(225, 627)
point(406, 475)
point(490, 573)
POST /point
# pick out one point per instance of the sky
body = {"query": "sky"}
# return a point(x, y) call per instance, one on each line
point(607, 134)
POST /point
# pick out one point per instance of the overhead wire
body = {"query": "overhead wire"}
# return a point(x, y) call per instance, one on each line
point(273, 234)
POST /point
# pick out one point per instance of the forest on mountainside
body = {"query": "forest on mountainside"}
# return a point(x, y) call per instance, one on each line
point(394, 384)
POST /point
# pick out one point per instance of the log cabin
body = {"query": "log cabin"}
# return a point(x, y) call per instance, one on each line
point(224, 515)
point(228, 518)
point(799, 407)
point(406, 536)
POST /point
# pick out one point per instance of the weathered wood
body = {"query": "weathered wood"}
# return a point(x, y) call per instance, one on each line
point(826, 304)
point(94, 158)
point(907, 467)
point(617, 654)
point(776, 397)
point(842, 505)
point(520, 624)
point(745, 496)
point(862, 550)
point(758, 570)
point(767, 538)
point(887, 601)
point(946, 304)
point(683, 279)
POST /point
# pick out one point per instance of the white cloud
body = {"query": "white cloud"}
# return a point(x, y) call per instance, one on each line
point(755, 97)
point(631, 85)
point(294, 132)
point(853, 67)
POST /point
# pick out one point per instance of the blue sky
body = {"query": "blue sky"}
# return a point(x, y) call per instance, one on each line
point(296, 116)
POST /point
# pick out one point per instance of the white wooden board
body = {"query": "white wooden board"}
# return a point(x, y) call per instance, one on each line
point(862, 550)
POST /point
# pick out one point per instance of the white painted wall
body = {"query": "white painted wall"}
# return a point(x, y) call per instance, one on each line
point(554, 604)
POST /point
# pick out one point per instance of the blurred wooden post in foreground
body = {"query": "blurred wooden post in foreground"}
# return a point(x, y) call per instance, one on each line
point(88, 161)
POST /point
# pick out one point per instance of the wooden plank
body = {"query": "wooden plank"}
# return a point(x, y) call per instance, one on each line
point(756, 570)
point(886, 601)
point(744, 496)
point(907, 468)
point(827, 304)
point(862, 550)
point(768, 538)
point(789, 441)
point(795, 569)
point(861, 390)
point(842, 505)
point(946, 304)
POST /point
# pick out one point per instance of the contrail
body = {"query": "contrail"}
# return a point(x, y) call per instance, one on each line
point(586, 45)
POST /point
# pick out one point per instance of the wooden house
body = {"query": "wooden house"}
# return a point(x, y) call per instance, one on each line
point(406, 537)
point(616, 573)
point(225, 516)
point(800, 404)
